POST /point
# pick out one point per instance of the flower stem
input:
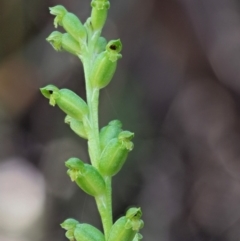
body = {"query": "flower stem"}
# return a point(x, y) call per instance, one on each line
point(105, 211)
point(104, 202)
point(92, 101)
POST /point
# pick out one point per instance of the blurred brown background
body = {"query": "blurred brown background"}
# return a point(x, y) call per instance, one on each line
point(177, 87)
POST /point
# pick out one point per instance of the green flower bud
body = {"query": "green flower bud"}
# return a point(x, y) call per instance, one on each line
point(99, 13)
point(65, 42)
point(124, 228)
point(67, 101)
point(77, 126)
point(100, 45)
point(86, 176)
point(115, 154)
point(70, 23)
point(86, 232)
point(109, 132)
point(105, 64)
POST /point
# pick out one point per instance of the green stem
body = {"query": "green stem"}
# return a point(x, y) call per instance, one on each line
point(108, 182)
point(105, 210)
point(92, 101)
point(104, 203)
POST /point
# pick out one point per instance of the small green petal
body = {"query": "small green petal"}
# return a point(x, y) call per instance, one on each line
point(69, 223)
point(55, 39)
point(59, 11)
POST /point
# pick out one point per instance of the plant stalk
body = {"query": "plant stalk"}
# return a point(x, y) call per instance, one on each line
point(104, 203)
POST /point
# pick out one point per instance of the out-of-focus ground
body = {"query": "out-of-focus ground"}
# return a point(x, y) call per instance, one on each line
point(177, 87)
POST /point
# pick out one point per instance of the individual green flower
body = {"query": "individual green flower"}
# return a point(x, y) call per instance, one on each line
point(124, 228)
point(65, 42)
point(70, 22)
point(115, 154)
point(67, 101)
point(105, 64)
point(86, 176)
point(99, 13)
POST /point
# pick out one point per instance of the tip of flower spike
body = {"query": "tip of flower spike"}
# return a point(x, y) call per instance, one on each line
point(100, 4)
